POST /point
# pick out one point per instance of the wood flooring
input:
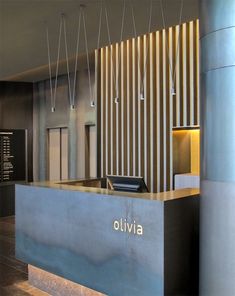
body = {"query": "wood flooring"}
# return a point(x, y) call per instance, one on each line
point(13, 273)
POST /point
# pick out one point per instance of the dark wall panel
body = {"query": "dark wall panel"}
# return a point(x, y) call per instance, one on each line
point(16, 112)
point(7, 200)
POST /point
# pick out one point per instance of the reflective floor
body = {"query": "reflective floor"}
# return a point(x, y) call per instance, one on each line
point(13, 273)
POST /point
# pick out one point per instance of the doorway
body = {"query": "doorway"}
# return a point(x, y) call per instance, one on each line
point(90, 151)
point(58, 154)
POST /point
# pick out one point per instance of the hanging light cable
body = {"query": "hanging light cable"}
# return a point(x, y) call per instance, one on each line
point(67, 62)
point(98, 44)
point(49, 65)
point(57, 65)
point(76, 61)
point(135, 34)
point(119, 52)
point(53, 93)
point(110, 45)
point(133, 19)
point(142, 97)
point(116, 77)
point(172, 68)
point(178, 42)
point(87, 53)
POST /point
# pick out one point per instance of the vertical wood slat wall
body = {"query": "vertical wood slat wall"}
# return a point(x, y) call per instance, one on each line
point(136, 136)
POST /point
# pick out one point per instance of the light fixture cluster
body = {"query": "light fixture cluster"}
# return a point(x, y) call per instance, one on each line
point(71, 90)
point(115, 74)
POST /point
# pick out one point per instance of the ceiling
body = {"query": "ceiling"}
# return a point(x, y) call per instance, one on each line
point(23, 49)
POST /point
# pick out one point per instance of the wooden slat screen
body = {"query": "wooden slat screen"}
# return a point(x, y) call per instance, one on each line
point(136, 136)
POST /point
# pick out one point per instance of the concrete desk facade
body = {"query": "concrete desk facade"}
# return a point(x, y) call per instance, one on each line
point(115, 243)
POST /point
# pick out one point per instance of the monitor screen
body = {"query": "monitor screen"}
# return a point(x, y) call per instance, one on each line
point(128, 184)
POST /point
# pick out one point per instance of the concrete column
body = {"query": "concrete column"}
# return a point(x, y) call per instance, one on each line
point(217, 238)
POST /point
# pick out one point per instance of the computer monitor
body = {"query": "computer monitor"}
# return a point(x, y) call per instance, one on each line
point(128, 184)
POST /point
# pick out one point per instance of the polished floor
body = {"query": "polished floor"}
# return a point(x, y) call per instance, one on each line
point(13, 273)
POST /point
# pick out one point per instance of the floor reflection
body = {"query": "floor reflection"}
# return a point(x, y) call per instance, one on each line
point(13, 273)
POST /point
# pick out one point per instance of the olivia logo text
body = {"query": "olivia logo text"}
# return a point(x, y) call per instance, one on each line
point(129, 227)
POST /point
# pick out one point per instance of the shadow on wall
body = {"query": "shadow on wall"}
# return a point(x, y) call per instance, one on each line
point(75, 120)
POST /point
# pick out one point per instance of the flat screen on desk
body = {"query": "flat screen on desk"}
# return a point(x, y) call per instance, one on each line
point(128, 184)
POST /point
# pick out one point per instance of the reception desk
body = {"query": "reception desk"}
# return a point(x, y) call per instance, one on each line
point(115, 243)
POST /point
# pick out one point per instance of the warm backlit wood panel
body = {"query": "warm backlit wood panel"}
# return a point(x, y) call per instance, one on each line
point(136, 135)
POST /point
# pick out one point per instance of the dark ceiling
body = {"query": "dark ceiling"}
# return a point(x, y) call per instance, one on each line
point(23, 51)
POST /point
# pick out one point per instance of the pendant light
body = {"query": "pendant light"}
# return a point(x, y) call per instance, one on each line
point(172, 67)
point(142, 88)
point(53, 92)
point(72, 103)
point(92, 103)
point(72, 106)
point(116, 77)
point(142, 79)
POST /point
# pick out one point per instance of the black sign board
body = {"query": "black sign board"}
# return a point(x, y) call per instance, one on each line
point(12, 155)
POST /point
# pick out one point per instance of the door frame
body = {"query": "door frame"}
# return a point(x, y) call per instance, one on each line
point(60, 127)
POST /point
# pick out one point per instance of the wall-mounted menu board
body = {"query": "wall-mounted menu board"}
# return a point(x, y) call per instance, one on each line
point(13, 157)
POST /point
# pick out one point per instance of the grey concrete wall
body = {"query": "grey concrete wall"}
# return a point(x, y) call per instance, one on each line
point(74, 120)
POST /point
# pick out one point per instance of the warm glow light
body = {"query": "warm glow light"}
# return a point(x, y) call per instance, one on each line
point(55, 285)
point(195, 131)
point(193, 128)
point(189, 140)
